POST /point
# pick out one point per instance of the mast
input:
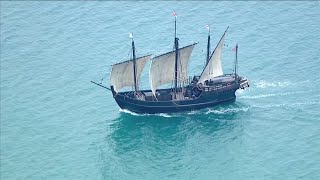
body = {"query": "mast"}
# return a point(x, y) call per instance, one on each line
point(176, 45)
point(162, 67)
point(134, 64)
point(235, 64)
point(214, 51)
point(208, 45)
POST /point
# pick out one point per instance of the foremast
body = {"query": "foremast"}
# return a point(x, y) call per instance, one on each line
point(128, 73)
point(134, 64)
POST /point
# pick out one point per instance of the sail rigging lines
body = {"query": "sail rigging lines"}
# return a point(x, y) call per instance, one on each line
point(173, 51)
point(221, 40)
point(131, 59)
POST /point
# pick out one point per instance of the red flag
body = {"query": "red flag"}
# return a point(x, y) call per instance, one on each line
point(234, 49)
point(174, 14)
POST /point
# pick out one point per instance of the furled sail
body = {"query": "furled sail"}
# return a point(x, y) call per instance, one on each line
point(122, 73)
point(162, 69)
point(214, 67)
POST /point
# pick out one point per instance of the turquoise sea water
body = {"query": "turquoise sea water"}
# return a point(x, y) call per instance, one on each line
point(55, 124)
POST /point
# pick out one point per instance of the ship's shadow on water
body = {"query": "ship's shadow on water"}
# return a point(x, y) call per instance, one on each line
point(163, 138)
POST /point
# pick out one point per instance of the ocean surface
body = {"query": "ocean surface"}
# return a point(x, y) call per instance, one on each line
point(55, 124)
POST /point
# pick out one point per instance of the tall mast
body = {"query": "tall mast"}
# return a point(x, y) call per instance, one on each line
point(134, 64)
point(236, 62)
point(176, 45)
point(208, 45)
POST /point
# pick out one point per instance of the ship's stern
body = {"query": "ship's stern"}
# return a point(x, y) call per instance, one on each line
point(243, 82)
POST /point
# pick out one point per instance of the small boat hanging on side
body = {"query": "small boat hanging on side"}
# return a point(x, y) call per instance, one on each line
point(212, 87)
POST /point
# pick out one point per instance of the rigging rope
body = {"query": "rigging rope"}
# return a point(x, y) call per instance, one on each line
point(104, 77)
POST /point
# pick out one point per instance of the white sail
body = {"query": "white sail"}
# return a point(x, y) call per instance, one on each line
point(214, 66)
point(122, 73)
point(162, 69)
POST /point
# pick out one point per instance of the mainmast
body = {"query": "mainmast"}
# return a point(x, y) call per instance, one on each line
point(208, 45)
point(134, 64)
point(176, 45)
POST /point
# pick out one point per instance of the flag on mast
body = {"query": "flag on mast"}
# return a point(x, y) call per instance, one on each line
point(234, 49)
point(208, 27)
point(174, 14)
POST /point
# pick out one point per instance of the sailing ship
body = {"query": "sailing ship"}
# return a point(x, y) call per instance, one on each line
point(210, 88)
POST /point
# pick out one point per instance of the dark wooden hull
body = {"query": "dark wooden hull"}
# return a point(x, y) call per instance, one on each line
point(206, 99)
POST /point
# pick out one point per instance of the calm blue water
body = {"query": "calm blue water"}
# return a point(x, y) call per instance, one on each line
point(55, 124)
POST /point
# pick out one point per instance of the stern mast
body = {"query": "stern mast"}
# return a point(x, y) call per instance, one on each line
point(208, 45)
point(235, 64)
